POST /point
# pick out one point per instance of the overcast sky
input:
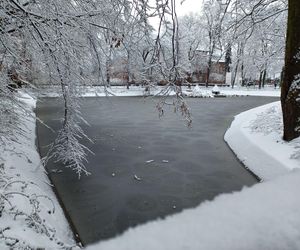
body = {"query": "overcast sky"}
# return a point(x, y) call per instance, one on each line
point(188, 6)
point(185, 8)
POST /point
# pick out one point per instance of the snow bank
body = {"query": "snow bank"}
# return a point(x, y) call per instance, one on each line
point(215, 90)
point(197, 92)
point(99, 91)
point(250, 219)
point(40, 221)
point(255, 136)
point(244, 91)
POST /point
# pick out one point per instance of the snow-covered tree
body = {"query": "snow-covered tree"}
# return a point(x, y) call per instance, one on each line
point(191, 38)
point(215, 13)
point(74, 43)
point(65, 37)
point(258, 31)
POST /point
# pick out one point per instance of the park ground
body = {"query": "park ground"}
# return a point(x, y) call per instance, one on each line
point(264, 216)
point(194, 91)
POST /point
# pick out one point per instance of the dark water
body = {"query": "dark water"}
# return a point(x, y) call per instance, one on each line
point(127, 132)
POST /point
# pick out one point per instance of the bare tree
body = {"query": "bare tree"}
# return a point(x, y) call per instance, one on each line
point(215, 12)
point(72, 43)
point(64, 36)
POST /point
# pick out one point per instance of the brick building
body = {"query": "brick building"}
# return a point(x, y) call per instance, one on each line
point(199, 69)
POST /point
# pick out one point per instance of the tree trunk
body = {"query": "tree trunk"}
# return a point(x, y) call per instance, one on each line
point(234, 74)
point(260, 79)
point(290, 91)
point(128, 71)
point(264, 78)
point(108, 65)
point(228, 58)
point(207, 76)
point(243, 74)
point(208, 71)
point(209, 63)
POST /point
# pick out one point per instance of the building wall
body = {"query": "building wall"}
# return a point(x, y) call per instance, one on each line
point(199, 68)
point(217, 74)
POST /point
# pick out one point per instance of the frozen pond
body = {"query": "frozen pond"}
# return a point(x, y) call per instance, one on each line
point(144, 167)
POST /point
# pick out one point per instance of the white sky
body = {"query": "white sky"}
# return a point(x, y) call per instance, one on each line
point(188, 6)
point(185, 8)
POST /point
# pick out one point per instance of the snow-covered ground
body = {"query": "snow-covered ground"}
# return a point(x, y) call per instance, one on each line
point(201, 91)
point(265, 216)
point(30, 215)
point(251, 91)
point(256, 137)
point(197, 91)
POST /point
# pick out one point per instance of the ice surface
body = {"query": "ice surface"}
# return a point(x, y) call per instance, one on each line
point(265, 216)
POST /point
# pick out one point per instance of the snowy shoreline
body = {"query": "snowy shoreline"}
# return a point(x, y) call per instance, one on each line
point(255, 141)
point(139, 91)
point(32, 216)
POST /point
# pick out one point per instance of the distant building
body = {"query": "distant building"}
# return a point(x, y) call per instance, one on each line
point(119, 73)
point(199, 69)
